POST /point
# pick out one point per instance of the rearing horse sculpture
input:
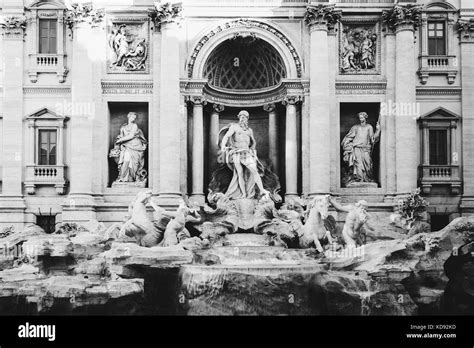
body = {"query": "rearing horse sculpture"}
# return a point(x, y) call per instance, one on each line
point(314, 230)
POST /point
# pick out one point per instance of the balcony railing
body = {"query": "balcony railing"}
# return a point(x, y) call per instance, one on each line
point(45, 175)
point(440, 175)
point(438, 65)
point(47, 63)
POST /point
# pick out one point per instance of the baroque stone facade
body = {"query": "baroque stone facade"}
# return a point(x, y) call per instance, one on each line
point(303, 70)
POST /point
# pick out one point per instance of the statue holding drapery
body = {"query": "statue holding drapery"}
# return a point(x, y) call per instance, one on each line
point(128, 152)
point(357, 147)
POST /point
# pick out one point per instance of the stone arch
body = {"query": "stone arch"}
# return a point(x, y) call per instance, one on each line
point(441, 4)
point(230, 29)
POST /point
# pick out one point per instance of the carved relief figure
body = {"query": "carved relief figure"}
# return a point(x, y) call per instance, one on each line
point(239, 149)
point(129, 50)
point(358, 49)
point(128, 152)
point(357, 148)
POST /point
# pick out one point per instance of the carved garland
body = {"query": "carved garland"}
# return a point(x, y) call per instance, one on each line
point(398, 15)
point(249, 24)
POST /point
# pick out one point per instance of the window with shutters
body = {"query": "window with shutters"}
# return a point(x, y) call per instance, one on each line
point(439, 149)
point(48, 36)
point(47, 147)
point(436, 39)
point(45, 161)
point(437, 44)
point(45, 40)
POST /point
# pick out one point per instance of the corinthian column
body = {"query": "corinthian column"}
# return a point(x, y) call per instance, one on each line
point(320, 20)
point(291, 147)
point(214, 135)
point(11, 200)
point(466, 35)
point(272, 135)
point(404, 20)
point(165, 18)
point(197, 194)
point(85, 83)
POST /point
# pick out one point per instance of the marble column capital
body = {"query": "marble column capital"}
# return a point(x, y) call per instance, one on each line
point(292, 99)
point(465, 28)
point(402, 18)
point(83, 15)
point(322, 17)
point(269, 107)
point(165, 16)
point(13, 27)
point(195, 100)
point(218, 108)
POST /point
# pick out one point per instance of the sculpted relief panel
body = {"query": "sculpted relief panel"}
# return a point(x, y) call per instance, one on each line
point(128, 48)
point(359, 48)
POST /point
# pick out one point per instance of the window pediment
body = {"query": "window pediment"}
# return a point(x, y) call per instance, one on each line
point(46, 115)
point(440, 114)
point(46, 5)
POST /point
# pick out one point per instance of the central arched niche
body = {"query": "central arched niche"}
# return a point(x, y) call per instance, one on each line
point(244, 64)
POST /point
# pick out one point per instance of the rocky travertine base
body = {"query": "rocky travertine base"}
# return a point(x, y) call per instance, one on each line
point(392, 277)
point(25, 290)
point(79, 271)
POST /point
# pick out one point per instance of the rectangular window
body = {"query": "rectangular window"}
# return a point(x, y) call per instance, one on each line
point(48, 36)
point(47, 147)
point(438, 146)
point(436, 39)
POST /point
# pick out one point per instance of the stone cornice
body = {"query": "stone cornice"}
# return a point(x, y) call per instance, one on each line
point(402, 16)
point(437, 91)
point(165, 13)
point(322, 15)
point(83, 13)
point(127, 87)
point(46, 90)
point(465, 29)
point(352, 87)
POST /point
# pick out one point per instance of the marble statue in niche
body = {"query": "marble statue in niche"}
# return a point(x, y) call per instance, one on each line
point(358, 49)
point(129, 153)
point(128, 49)
point(358, 146)
point(238, 145)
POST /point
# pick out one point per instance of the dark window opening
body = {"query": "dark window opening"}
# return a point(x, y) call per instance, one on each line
point(48, 36)
point(46, 222)
point(47, 147)
point(436, 39)
point(438, 222)
point(438, 139)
